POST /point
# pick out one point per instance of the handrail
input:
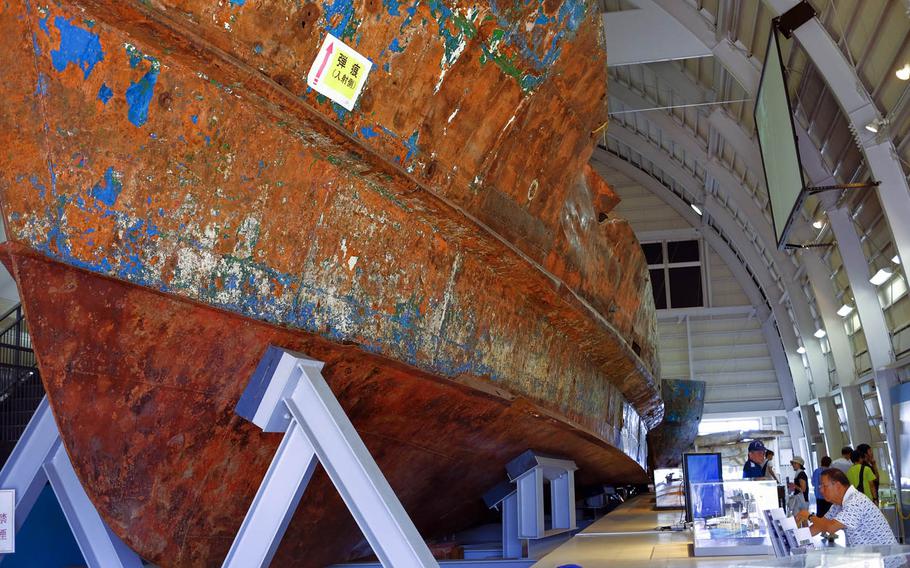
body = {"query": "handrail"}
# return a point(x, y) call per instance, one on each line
point(25, 375)
point(11, 310)
point(21, 317)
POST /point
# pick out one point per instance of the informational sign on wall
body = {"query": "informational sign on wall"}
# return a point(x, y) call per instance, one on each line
point(7, 521)
point(339, 72)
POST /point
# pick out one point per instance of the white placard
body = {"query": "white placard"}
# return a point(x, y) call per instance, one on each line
point(339, 72)
point(7, 521)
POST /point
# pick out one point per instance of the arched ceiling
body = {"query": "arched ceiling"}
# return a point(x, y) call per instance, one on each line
point(698, 145)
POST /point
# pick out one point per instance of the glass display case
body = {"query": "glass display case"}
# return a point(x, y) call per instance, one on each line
point(728, 517)
point(830, 557)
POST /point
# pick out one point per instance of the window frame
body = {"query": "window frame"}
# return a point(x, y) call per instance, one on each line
point(666, 265)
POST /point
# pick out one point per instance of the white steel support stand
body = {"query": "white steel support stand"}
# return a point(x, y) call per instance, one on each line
point(288, 394)
point(511, 543)
point(39, 458)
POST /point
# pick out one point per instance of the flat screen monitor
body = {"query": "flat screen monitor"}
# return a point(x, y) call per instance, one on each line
point(669, 488)
point(777, 142)
point(706, 501)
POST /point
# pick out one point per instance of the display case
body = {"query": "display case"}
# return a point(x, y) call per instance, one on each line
point(894, 556)
point(728, 517)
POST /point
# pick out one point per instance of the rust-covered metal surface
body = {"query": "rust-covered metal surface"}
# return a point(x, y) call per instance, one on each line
point(151, 422)
point(684, 403)
point(449, 224)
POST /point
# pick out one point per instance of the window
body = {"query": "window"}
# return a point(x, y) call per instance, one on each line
point(712, 426)
point(676, 276)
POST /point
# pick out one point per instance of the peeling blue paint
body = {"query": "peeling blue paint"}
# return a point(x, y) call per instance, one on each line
point(257, 49)
point(237, 2)
point(42, 23)
point(367, 132)
point(395, 47)
point(41, 87)
point(42, 190)
point(195, 118)
point(78, 46)
point(392, 7)
point(411, 145)
point(135, 56)
point(139, 95)
point(105, 93)
point(110, 191)
point(344, 9)
point(340, 112)
point(35, 46)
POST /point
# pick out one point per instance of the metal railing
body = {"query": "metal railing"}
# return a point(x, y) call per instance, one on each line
point(20, 383)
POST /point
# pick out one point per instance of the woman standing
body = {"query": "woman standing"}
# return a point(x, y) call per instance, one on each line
point(800, 485)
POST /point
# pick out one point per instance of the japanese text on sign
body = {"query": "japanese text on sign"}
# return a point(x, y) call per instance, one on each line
point(7, 521)
point(339, 72)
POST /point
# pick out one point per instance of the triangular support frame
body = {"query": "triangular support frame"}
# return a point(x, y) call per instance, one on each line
point(288, 394)
point(40, 458)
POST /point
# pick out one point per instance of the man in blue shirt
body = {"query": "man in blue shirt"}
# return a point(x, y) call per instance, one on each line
point(821, 504)
point(754, 468)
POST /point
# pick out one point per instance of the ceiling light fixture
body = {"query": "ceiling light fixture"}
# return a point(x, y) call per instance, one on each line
point(896, 259)
point(819, 333)
point(696, 208)
point(904, 72)
point(800, 349)
point(818, 224)
point(844, 311)
point(881, 277)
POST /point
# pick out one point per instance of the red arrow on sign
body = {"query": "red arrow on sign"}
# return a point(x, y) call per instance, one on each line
point(328, 53)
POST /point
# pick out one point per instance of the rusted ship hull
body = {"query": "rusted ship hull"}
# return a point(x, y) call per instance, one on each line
point(144, 386)
point(684, 404)
point(178, 200)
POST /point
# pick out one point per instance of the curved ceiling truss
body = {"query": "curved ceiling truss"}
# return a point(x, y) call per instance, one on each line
point(715, 157)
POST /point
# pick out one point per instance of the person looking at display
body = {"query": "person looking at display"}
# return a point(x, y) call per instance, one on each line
point(755, 466)
point(850, 511)
point(863, 474)
point(821, 505)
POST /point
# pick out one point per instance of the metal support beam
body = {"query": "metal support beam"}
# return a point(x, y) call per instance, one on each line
point(40, 458)
point(562, 501)
point(814, 436)
point(288, 394)
point(834, 438)
point(511, 543)
point(864, 292)
point(530, 508)
point(857, 420)
point(823, 288)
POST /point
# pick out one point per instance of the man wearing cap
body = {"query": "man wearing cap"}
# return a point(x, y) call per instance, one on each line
point(755, 466)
